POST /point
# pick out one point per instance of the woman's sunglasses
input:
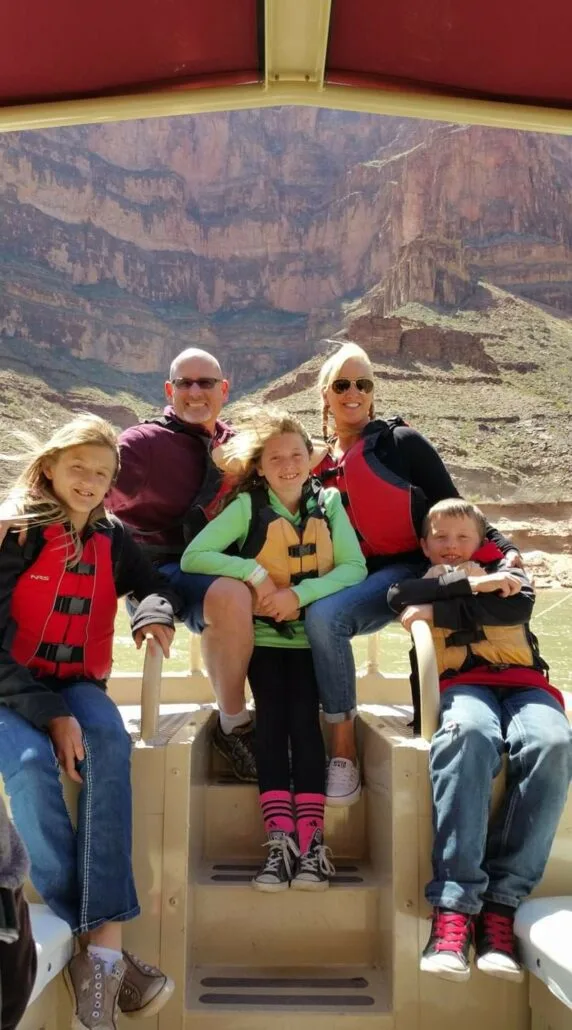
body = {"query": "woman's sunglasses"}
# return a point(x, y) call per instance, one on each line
point(343, 385)
point(204, 383)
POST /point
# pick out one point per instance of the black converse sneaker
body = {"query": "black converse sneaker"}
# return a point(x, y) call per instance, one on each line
point(495, 944)
point(277, 870)
point(447, 951)
point(314, 867)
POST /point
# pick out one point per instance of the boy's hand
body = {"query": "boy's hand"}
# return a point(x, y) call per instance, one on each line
point(281, 605)
point(472, 568)
point(415, 613)
point(435, 571)
point(65, 734)
point(162, 634)
point(502, 583)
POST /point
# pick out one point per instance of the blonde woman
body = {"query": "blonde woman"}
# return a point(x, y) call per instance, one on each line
point(389, 476)
point(58, 599)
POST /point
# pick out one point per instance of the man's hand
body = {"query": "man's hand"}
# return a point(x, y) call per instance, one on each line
point(282, 605)
point(415, 613)
point(472, 568)
point(514, 560)
point(65, 734)
point(162, 634)
point(502, 583)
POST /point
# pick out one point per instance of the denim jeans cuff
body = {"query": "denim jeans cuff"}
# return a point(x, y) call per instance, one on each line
point(502, 899)
point(454, 904)
point(340, 716)
point(94, 923)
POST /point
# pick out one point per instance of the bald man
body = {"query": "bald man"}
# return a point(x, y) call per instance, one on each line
point(165, 492)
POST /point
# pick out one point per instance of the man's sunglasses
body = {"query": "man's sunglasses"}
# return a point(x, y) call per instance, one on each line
point(204, 383)
point(343, 385)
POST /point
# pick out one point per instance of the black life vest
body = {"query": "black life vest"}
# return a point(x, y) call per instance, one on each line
point(205, 503)
point(63, 618)
point(379, 502)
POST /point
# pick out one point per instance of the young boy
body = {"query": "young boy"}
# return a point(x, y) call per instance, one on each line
point(495, 698)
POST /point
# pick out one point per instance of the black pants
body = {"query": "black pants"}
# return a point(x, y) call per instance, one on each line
point(17, 969)
point(285, 692)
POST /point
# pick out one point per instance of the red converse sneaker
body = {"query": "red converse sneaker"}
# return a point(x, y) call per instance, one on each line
point(447, 951)
point(495, 944)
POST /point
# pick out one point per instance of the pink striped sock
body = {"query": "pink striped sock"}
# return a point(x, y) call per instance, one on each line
point(309, 817)
point(277, 811)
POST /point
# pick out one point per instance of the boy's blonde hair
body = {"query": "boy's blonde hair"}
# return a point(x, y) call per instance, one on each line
point(457, 508)
point(243, 452)
point(31, 499)
point(331, 369)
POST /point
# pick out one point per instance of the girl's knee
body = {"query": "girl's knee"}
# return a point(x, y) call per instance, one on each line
point(229, 599)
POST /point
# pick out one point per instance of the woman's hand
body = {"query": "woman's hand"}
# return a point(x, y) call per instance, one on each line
point(66, 736)
point(514, 560)
point(162, 634)
point(415, 613)
point(281, 605)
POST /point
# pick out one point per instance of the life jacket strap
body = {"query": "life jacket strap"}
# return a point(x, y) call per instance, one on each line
point(73, 605)
point(82, 568)
point(465, 637)
point(301, 550)
point(60, 653)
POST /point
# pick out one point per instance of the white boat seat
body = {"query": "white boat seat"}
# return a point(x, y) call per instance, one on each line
point(54, 946)
point(543, 927)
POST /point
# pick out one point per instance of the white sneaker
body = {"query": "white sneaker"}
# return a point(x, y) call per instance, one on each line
point(343, 786)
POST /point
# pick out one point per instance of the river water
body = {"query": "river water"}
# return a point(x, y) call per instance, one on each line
point(552, 623)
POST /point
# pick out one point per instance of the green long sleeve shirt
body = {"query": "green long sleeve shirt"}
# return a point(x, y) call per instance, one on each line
point(205, 554)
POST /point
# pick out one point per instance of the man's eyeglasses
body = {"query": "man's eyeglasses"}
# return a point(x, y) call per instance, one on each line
point(343, 385)
point(204, 383)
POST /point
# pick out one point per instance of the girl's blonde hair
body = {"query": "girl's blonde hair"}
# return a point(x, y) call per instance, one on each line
point(31, 499)
point(242, 454)
point(331, 369)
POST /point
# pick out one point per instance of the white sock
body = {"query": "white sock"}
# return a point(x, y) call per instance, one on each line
point(107, 955)
point(230, 723)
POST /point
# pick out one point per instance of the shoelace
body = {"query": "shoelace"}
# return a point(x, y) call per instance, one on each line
point(317, 858)
point(281, 849)
point(498, 931)
point(450, 929)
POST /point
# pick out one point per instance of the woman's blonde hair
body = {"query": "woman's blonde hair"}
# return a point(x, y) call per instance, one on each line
point(331, 369)
point(242, 454)
point(31, 498)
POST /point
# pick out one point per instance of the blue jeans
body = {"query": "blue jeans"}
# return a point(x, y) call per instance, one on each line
point(192, 587)
point(472, 864)
point(333, 621)
point(85, 877)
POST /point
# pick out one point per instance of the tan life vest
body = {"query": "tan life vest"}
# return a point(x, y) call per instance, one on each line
point(497, 646)
point(290, 553)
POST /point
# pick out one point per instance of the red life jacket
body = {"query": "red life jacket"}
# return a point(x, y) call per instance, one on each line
point(64, 617)
point(379, 502)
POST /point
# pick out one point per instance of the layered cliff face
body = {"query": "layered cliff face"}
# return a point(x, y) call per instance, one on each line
point(244, 232)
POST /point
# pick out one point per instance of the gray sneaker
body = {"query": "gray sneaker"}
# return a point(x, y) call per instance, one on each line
point(145, 989)
point(238, 750)
point(94, 992)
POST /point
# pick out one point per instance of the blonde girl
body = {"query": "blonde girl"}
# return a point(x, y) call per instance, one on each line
point(292, 544)
point(60, 577)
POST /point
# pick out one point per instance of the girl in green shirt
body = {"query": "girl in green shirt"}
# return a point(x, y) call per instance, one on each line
point(292, 542)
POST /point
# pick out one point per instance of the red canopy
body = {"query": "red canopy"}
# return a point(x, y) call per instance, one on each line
point(65, 49)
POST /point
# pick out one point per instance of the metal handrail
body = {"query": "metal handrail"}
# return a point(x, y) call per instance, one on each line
point(429, 693)
point(151, 689)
